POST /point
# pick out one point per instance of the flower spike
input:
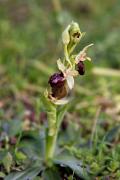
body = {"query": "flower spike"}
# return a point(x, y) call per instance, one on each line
point(62, 82)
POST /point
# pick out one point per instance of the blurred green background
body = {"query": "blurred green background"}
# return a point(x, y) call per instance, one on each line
point(30, 44)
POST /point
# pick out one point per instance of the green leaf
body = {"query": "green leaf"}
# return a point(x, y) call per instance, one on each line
point(7, 162)
point(34, 146)
point(60, 114)
point(28, 173)
point(72, 163)
point(51, 174)
point(14, 127)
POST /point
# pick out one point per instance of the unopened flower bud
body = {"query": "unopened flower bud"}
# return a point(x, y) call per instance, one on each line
point(81, 68)
point(75, 33)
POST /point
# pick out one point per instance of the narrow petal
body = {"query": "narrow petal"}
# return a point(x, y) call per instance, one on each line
point(61, 66)
point(70, 81)
point(82, 54)
point(86, 47)
point(88, 58)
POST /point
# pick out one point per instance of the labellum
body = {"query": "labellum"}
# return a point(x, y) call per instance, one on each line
point(58, 85)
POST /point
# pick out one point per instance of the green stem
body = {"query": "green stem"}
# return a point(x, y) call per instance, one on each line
point(51, 134)
point(50, 146)
point(67, 55)
point(55, 116)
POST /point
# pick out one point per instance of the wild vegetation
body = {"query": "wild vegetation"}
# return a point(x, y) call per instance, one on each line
point(88, 142)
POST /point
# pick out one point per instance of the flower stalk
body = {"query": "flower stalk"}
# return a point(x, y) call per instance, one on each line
point(51, 135)
point(61, 84)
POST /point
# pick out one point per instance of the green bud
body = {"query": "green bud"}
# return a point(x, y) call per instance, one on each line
point(71, 34)
point(75, 33)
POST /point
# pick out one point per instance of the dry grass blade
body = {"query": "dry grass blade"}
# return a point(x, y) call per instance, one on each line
point(106, 72)
point(95, 123)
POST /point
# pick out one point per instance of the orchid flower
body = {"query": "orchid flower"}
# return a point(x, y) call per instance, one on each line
point(69, 73)
point(62, 82)
point(82, 56)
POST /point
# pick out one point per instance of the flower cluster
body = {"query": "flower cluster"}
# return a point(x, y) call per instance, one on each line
point(62, 82)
